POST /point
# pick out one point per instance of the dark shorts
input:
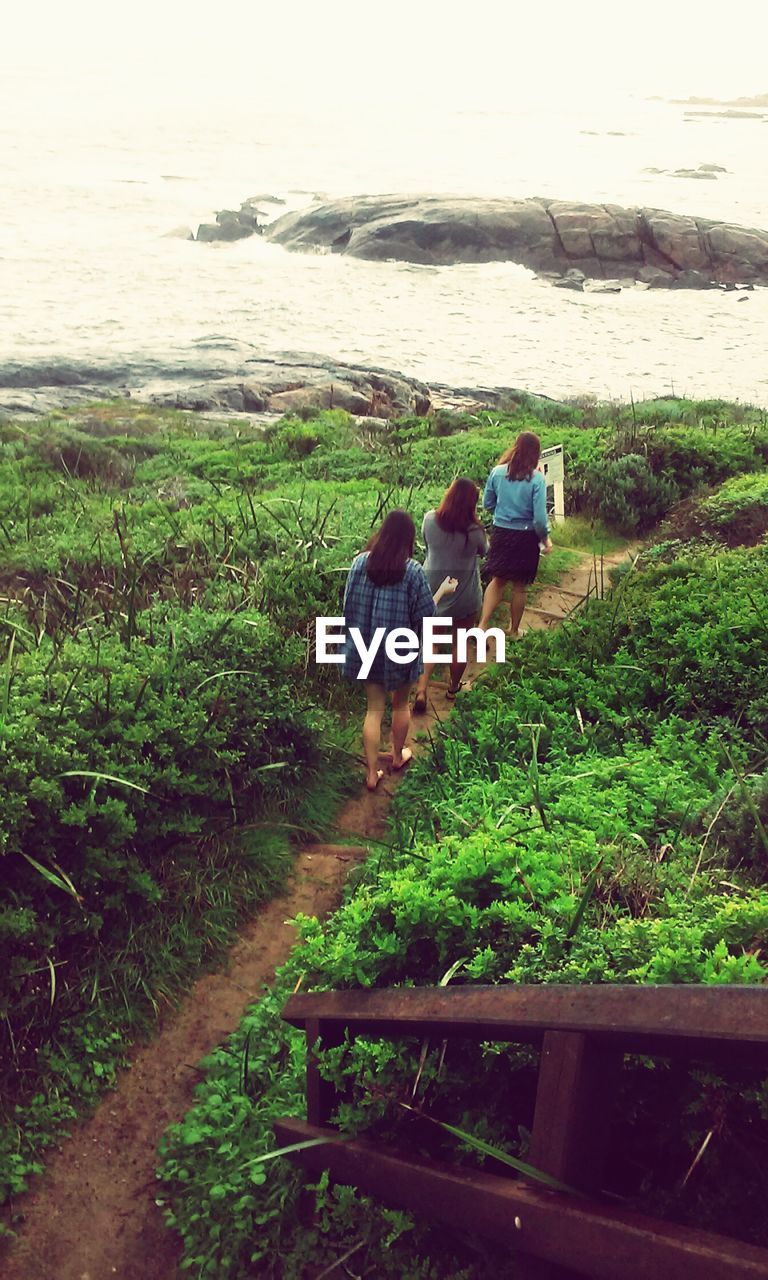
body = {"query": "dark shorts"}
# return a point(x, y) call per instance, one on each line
point(513, 555)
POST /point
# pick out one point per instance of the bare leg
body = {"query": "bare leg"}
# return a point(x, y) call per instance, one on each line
point(401, 723)
point(423, 681)
point(491, 601)
point(458, 668)
point(517, 606)
point(377, 701)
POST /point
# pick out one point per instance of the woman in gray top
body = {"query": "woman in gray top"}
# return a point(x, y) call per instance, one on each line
point(455, 541)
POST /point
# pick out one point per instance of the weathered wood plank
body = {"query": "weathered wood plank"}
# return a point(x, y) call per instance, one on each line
point(591, 1239)
point(320, 1094)
point(576, 1088)
point(728, 1022)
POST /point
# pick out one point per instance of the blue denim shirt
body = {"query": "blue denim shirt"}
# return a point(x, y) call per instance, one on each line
point(517, 504)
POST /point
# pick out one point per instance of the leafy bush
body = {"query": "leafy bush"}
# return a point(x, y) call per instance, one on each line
point(127, 773)
point(738, 512)
point(629, 497)
point(737, 825)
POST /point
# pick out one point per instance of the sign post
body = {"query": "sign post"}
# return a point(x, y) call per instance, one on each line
point(553, 466)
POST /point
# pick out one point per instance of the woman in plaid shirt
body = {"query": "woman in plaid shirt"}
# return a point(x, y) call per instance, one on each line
point(386, 589)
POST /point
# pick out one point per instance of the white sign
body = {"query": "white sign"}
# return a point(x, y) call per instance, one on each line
point(553, 465)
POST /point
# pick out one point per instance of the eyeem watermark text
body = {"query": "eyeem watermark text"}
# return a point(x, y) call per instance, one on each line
point(402, 645)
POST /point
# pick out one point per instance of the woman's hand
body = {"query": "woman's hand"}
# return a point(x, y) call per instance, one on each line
point(446, 588)
point(546, 547)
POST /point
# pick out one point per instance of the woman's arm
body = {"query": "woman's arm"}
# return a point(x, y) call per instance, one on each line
point(420, 600)
point(446, 588)
point(348, 587)
point(480, 540)
point(352, 579)
point(540, 517)
point(490, 496)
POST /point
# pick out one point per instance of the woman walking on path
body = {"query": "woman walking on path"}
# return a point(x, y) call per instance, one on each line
point(454, 539)
point(516, 493)
point(386, 589)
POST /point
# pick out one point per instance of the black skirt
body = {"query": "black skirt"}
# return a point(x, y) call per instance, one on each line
point(513, 555)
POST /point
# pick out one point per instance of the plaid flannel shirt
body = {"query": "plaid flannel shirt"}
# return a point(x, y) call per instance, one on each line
point(403, 604)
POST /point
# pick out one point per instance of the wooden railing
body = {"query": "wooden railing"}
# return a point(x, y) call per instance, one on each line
point(583, 1033)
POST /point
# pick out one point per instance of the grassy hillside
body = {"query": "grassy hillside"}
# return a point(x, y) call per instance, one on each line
point(159, 576)
point(595, 813)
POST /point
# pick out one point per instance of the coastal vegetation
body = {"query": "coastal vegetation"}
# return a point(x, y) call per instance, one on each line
point(596, 811)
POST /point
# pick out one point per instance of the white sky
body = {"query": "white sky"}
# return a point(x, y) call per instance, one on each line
point(477, 53)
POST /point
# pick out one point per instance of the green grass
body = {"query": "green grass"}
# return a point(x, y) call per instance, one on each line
point(582, 534)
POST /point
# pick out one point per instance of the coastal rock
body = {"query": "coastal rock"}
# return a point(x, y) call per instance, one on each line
point(676, 238)
point(232, 224)
point(291, 386)
point(207, 397)
point(328, 395)
point(40, 402)
point(255, 398)
point(547, 236)
point(228, 229)
point(754, 100)
point(254, 201)
point(701, 171)
point(655, 277)
point(739, 255)
point(724, 115)
point(595, 232)
point(692, 280)
point(694, 173)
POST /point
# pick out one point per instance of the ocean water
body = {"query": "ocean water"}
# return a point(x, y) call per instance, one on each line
point(89, 273)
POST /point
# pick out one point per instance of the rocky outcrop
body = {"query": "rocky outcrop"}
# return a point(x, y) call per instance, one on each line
point(235, 224)
point(754, 100)
point(548, 236)
point(286, 382)
point(267, 386)
point(730, 114)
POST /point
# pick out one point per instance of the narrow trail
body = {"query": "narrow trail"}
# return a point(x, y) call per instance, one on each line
point(92, 1215)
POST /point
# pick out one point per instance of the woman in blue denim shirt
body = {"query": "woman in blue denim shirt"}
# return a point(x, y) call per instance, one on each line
point(516, 493)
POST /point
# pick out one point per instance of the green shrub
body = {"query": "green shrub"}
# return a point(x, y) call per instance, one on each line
point(628, 495)
point(127, 772)
point(736, 824)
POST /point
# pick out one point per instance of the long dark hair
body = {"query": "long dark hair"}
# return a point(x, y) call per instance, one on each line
point(390, 549)
point(523, 458)
point(457, 512)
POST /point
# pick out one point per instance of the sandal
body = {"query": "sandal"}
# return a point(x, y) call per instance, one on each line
point(420, 704)
point(451, 693)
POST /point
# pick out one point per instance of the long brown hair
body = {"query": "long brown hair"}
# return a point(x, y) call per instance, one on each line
point(390, 549)
point(523, 458)
point(457, 512)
